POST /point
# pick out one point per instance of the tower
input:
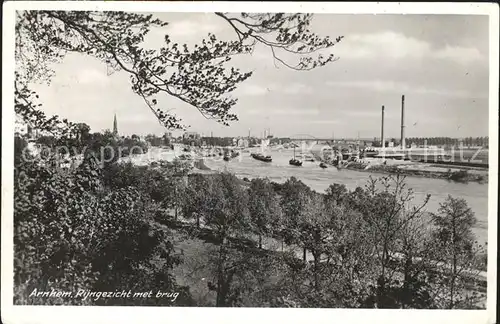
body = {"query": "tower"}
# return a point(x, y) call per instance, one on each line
point(115, 127)
point(403, 144)
point(382, 139)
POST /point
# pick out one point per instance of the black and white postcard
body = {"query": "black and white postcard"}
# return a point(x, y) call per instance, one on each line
point(242, 161)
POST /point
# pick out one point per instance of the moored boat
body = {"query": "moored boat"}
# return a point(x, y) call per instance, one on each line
point(370, 152)
point(294, 161)
point(261, 157)
point(323, 165)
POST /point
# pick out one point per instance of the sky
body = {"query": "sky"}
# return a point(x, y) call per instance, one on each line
point(439, 62)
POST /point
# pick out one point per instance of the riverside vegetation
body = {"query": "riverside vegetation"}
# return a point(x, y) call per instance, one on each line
point(112, 227)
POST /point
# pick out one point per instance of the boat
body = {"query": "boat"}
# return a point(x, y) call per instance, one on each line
point(261, 157)
point(294, 161)
point(226, 158)
point(370, 152)
point(323, 165)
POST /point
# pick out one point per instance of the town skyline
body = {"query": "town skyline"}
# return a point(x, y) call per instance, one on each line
point(264, 132)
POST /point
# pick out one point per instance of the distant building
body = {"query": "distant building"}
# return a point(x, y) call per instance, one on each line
point(191, 136)
point(242, 142)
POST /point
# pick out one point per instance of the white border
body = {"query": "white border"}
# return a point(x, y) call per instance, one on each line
point(65, 314)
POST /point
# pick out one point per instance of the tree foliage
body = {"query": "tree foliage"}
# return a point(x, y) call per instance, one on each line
point(265, 212)
point(199, 76)
point(72, 232)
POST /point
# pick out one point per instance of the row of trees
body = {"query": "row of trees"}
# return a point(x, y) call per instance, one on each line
point(228, 141)
point(369, 247)
point(154, 140)
point(455, 142)
point(105, 147)
point(225, 141)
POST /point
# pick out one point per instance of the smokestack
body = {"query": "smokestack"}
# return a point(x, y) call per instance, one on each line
point(403, 144)
point(382, 139)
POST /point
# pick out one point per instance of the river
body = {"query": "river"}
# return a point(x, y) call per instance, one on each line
point(319, 179)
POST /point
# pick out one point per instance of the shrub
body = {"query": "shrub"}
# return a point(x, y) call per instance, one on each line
point(71, 232)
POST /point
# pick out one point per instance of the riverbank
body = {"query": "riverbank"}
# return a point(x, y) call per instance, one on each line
point(417, 169)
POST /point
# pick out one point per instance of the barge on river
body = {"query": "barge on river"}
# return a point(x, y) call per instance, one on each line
point(261, 157)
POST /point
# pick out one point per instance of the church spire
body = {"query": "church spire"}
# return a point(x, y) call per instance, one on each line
point(115, 126)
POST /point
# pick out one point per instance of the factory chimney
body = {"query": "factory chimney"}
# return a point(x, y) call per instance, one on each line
point(382, 139)
point(403, 146)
